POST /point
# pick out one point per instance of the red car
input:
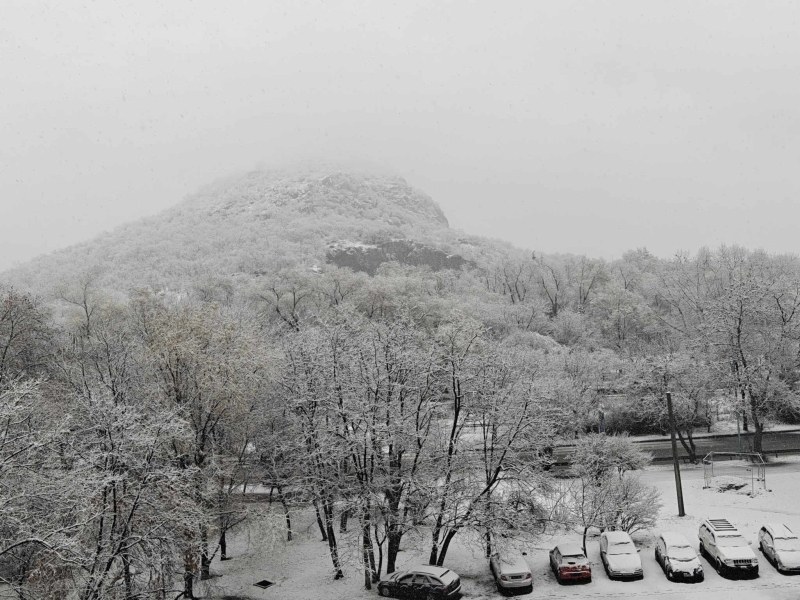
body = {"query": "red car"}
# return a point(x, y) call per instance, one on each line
point(569, 563)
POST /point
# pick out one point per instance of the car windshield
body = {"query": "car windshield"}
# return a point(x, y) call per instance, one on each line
point(623, 548)
point(448, 577)
point(682, 553)
point(787, 544)
point(732, 541)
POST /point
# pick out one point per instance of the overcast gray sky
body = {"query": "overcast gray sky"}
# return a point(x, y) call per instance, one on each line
point(585, 127)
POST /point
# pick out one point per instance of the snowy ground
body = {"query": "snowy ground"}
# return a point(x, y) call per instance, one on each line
point(301, 569)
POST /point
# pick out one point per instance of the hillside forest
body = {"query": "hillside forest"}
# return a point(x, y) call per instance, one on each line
point(142, 398)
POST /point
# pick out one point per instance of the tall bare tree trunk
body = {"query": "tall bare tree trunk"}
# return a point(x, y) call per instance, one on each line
point(189, 571)
point(126, 574)
point(758, 424)
point(688, 444)
point(327, 509)
point(288, 516)
point(223, 545)
point(205, 559)
point(320, 524)
point(380, 552)
point(445, 546)
point(370, 576)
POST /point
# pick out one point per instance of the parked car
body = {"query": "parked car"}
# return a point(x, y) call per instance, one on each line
point(780, 546)
point(620, 557)
point(677, 558)
point(569, 563)
point(425, 582)
point(726, 549)
point(511, 573)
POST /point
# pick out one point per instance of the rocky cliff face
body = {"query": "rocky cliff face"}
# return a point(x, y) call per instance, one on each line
point(368, 257)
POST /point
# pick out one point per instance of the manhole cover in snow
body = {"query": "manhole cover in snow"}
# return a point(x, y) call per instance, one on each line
point(263, 584)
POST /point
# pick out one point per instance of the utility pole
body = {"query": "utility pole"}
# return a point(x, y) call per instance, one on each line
point(677, 468)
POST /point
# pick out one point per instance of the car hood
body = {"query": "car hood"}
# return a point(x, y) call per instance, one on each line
point(789, 558)
point(739, 552)
point(624, 563)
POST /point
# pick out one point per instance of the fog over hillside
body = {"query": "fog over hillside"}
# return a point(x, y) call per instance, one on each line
point(671, 127)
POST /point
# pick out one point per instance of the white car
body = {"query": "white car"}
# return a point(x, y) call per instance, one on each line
point(677, 558)
point(511, 572)
point(620, 557)
point(726, 549)
point(780, 546)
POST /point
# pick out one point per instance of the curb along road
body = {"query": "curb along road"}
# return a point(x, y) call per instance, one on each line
point(775, 443)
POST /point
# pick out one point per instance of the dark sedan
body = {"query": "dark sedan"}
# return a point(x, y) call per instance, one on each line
point(423, 582)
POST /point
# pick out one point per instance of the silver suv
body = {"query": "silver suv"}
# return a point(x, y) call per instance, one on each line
point(726, 549)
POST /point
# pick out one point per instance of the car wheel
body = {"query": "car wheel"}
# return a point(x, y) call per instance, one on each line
point(384, 592)
point(702, 549)
point(720, 566)
point(670, 576)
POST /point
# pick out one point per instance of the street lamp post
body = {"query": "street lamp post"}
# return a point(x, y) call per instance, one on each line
point(676, 466)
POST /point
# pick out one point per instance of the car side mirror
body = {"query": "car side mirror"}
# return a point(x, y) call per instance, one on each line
point(638, 549)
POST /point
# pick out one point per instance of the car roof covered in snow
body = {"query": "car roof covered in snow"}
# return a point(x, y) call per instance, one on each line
point(513, 563)
point(570, 549)
point(779, 530)
point(440, 572)
point(672, 538)
point(617, 537)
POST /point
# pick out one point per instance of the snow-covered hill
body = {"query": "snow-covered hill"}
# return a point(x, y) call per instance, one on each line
point(261, 223)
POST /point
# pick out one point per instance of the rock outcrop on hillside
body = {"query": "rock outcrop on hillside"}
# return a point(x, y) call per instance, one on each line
point(369, 257)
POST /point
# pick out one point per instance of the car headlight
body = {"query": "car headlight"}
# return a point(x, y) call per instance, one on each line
point(728, 561)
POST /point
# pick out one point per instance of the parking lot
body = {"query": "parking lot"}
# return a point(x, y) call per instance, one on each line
point(301, 569)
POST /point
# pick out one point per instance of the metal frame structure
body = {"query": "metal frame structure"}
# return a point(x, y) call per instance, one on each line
point(757, 470)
